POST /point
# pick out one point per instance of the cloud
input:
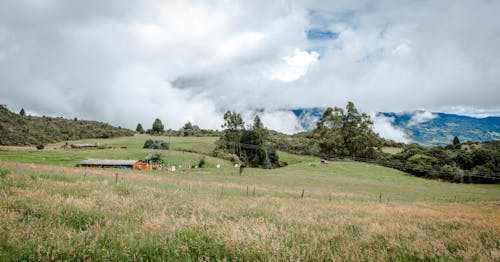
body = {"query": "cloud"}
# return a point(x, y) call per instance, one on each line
point(383, 126)
point(294, 67)
point(132, 61)
point(421, 117)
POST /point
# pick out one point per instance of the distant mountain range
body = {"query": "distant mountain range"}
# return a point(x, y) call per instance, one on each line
point(424, 127)
point(439, 128)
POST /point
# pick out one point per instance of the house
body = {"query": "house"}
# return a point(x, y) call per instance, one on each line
point(110, 163)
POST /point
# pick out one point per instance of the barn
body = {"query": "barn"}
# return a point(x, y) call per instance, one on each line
point(111, 163)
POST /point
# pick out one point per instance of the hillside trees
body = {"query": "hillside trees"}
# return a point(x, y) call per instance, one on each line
point(139, 129)
point(22, 112)
point(346, 133)
point(234, 126)
point(158, 127)
point(190, 130)
point(33, 130)
point(250, 144)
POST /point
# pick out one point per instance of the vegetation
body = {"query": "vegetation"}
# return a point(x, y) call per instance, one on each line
point(461, 163)
point(157, 159)
point(348, 211)
point(250, 146)
point(346, 133)
point(17, 130)
point(158, 127)
point(157, 144)
point(139, 129)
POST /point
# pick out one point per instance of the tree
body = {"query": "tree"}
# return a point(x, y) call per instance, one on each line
point(157, 126)
point(346, 132)
point(139, 128)
point(190, 130)
point(357, 131)
point(234, 126)
point(255, 152)
point(157, 159)
point(22, 112)
point(456, 141)
point(329, 131)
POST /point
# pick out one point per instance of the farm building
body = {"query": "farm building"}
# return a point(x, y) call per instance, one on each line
point(108, 163)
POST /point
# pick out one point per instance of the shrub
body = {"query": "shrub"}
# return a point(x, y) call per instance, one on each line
point(149, 143)
point(40, 147)
point(3, 173)
point(202, 162)
point(158, 144)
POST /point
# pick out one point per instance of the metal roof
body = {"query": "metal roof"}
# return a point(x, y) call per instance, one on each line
point(109, 162)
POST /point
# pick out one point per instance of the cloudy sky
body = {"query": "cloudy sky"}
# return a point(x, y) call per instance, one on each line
point(130, 61)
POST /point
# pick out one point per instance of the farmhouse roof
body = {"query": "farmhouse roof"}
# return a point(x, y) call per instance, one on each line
point(109, 162)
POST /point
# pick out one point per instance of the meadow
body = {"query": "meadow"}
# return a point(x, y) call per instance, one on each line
point(342, 211)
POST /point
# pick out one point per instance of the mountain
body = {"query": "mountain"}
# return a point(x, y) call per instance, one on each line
point(424, 127)
point(18, 130)
point(439, 128)
point(308, 117)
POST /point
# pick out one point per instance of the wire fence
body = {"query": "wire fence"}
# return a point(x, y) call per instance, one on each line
point(424, 170)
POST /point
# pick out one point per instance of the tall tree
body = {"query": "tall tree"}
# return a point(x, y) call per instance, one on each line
point(157, 126)
point(329, 132)
point(139, 128)
point(357, 131)
point(346, 132)
point(456, 141)
point(234, 125)
point(22, 113)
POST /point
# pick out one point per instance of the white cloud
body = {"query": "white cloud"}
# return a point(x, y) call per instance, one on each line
point(421, 117)
point(294, 67)
point(383, 126)
point(132, 61)
point(281, 121)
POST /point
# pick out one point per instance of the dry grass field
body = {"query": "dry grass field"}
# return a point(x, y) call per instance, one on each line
point(343, 211)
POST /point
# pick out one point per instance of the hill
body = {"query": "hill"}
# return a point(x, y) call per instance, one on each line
point(17, 130)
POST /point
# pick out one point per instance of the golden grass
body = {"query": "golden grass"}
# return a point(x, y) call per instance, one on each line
point(97, 219)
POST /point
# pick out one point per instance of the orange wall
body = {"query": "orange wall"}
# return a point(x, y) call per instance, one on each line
point(143, 166)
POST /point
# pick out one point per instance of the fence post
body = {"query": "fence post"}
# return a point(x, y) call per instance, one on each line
point(247, 190)
point(329, 196)
point(253, 191)
point(302, 195)
point(116, 178)
point(380, 197)
point(222, 190)
point(189, 187)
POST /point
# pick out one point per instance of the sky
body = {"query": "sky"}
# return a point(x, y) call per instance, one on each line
point(129, 61)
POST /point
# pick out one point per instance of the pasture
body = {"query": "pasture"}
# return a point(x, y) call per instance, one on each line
point(344, 210)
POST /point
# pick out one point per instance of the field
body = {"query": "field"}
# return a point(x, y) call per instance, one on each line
point(51, 210)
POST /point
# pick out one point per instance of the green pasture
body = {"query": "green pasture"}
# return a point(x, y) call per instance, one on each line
point(340, 211)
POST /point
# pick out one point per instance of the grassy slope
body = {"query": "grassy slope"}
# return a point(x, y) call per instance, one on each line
point(206, 213)
point(32, 130)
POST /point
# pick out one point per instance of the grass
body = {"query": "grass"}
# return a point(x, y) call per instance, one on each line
point(350, 211)
point(203, 145)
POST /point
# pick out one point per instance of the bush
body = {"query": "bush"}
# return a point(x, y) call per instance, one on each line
point(40, 147)
point(202, 162)
point(3, 172)
point(158, 144)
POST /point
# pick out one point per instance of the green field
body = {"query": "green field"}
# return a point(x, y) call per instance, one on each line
point(343, 210)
